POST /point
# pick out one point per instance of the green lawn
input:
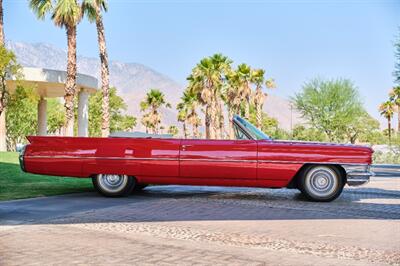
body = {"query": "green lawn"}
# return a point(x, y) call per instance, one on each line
point(15, 184)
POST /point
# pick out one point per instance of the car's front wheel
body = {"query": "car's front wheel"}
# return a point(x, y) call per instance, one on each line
point(113, 185)
point(321, 183)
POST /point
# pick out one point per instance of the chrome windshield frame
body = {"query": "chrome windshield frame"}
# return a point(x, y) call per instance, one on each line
point(251, 135)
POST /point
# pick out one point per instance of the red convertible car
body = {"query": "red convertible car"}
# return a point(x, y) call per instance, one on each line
point(121, 163)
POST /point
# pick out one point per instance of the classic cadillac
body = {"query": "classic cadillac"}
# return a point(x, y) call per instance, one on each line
point(122, 163)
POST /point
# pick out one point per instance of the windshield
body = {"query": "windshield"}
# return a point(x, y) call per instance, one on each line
point(251, 129)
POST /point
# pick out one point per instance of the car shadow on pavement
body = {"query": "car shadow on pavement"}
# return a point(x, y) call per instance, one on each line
point(193, 203)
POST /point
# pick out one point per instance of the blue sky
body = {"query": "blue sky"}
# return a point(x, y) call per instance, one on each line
point(293, 40)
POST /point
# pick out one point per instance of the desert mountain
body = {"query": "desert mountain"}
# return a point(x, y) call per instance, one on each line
point(132, 80)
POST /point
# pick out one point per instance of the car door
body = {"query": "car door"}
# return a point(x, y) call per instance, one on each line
point(218, 159)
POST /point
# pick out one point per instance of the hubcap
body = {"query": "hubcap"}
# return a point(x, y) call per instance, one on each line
point(112, 183)
point(321, 181)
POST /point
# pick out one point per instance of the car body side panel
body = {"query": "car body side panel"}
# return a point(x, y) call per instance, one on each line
point(219, 159)
point(262, 163)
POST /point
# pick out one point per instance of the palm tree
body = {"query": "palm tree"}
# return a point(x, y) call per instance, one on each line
point(257, 78)
point(189, 99)
point(222, 66)
point(153, 101)
point(233, 98)
point(201, 85)
point(244, 72)
point(3, 133)
point(387, 110)
point(182, 117)
point(1, 24)
point(93, 9)
point(173, 130)
point(395, 98)
point(206, 80)
point(65, 14)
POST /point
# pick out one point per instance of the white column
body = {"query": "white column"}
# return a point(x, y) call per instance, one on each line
point(83, 114)
point(3, 131)
point(42, 117)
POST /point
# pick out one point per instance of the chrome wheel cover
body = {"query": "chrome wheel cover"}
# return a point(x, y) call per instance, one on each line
point(321, 181)
point(112, 183)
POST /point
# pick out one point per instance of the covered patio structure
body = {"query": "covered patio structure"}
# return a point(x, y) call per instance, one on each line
point(49, 83)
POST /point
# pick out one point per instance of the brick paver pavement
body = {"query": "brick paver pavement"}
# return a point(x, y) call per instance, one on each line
point(177, 225)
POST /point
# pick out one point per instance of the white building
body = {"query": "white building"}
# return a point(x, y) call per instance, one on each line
point(50, 83)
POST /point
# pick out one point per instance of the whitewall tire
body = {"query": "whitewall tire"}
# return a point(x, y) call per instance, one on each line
point(110, 185)
point(321, 183)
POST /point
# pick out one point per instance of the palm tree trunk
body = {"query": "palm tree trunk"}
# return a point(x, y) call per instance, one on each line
point(208, 121)
point(231, 131)
point(3, 130)
point(217, 121)
point(1, 24)
point(398, 119)
point(259, 102)
point(247, 108)
point(70, 84)
point(196, 130)
point(214, 114)
point(184, 129)
point(390, 129)
point(221, 121)
point(105, 83)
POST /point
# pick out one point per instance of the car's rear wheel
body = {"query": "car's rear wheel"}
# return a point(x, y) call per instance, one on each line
point(321, 183)
point(113, 185)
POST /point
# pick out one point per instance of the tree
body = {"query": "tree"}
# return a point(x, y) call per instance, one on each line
point(301, 132)
point(396, 72)
point(182, 117)
point(329, 105)
point(269, 125)
point(65, 14)
point(189, 100)
point(395, 98)
point(21, 116)
point(1, 24)
point(173, 130)
point(3, 134)
point(93, 10)
point(8, 68)
point(55, 116)
point(153, 101)
point(244, 73)
point(361, 125)
point(387, 110)
point(206, 81)
point(233, 98)
point(258, 79)
point(118, 120)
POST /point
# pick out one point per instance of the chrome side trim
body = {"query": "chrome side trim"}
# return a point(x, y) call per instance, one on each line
point(137, 159)
point(99, 158)
point(186, 159)
point(215, 160)
point(304, 162)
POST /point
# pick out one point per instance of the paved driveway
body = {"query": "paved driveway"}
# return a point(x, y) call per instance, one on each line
point(168, 225)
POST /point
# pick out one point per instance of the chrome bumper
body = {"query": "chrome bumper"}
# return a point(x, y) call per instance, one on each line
point(358, 174)
point(21, 158)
